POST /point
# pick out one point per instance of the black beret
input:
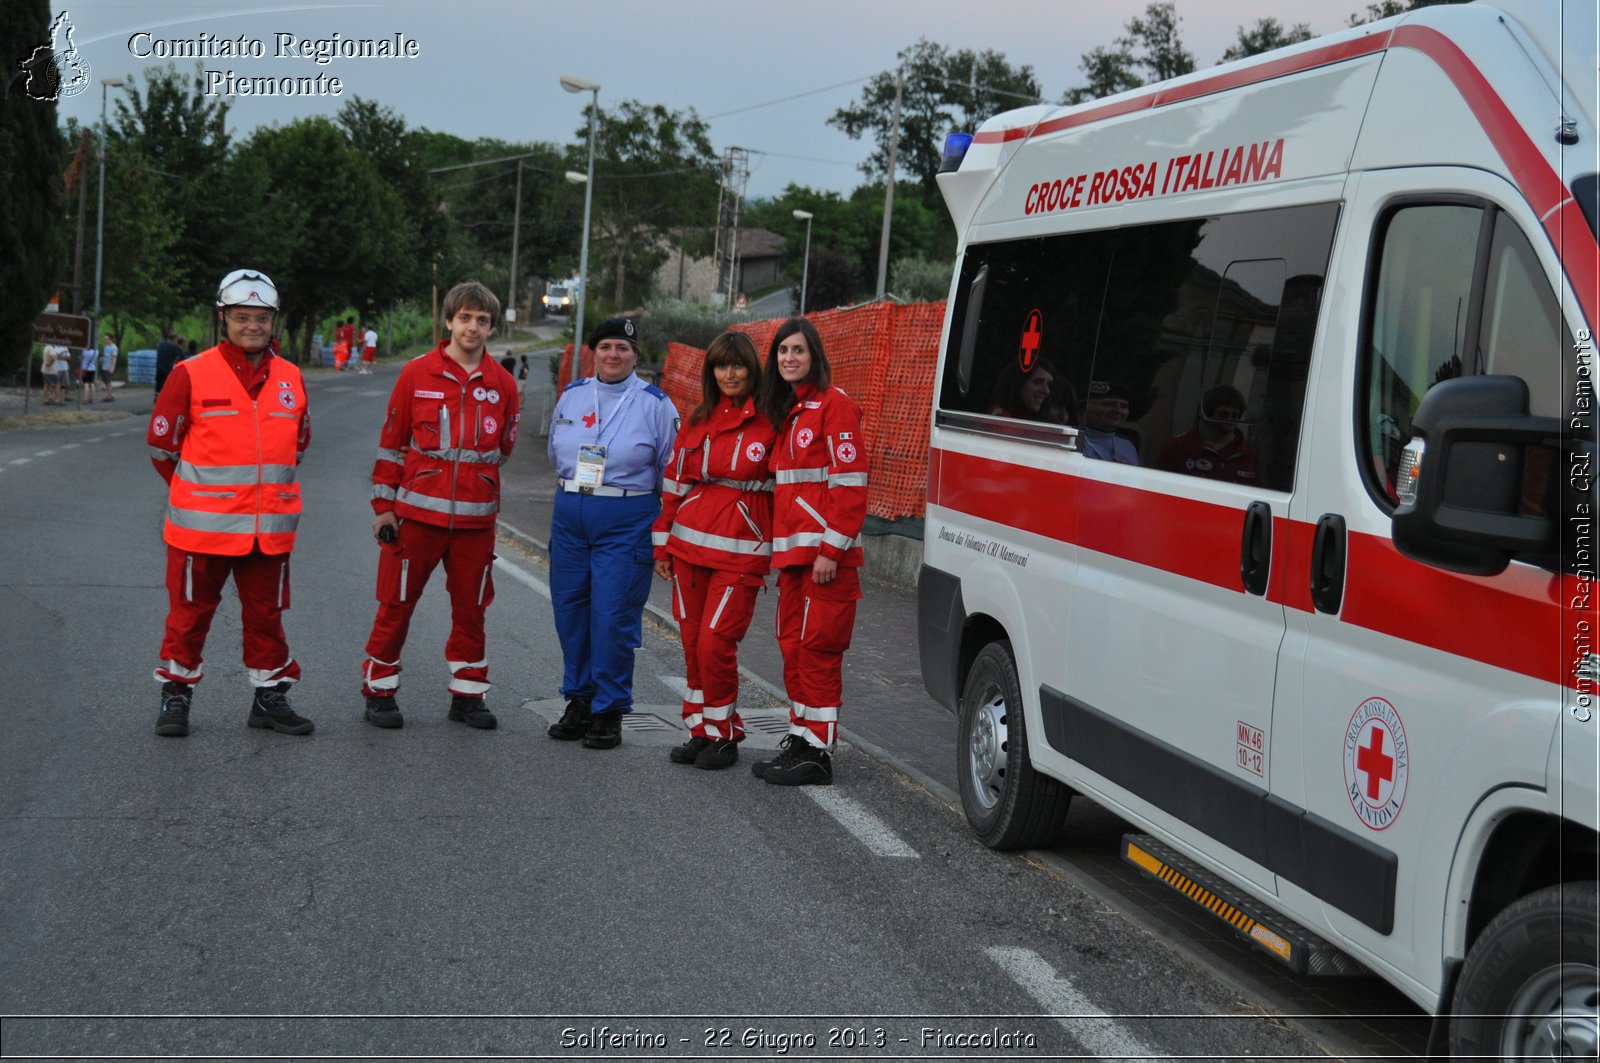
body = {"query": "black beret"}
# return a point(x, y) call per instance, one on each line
point(615, 328)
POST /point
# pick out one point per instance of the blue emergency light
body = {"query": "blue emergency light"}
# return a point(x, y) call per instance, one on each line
point(955, 149)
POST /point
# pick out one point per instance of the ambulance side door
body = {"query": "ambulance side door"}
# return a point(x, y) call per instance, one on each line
point(1412, 691)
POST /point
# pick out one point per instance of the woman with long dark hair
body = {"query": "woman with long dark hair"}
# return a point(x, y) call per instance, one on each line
point(713, 540)
point(820, 467)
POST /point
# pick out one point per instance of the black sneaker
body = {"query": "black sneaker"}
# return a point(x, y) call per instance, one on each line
point(605, 732)
point(759, 768)
point(173, 719)
point(271, 709)
point(574, 723)
point(723, 753)
point(472, 712)
point(800, 764)
point(686, 753)
point(384, 712)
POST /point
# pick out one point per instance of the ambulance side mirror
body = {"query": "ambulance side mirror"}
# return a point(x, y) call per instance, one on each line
point(1475, 481)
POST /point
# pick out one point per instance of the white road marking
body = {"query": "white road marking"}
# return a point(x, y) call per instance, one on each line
point(678, 684)
point(340, 387)
point(96, 439)
point(20, 461)
point(43, 453)
point(370, 392)
point(522, 577)
point(1104, 1038)
point(69, 446)
point(871, 831)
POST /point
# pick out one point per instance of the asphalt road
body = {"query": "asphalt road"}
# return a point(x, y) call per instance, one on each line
point(442, 892)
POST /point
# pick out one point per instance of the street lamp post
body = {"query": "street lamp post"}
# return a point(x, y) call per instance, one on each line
point(100, 212)
point(576, 84)
point(805, 267)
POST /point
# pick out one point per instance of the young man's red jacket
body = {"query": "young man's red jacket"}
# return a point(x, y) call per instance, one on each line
point(716, 499)
point(446, 434)
point(820, 465)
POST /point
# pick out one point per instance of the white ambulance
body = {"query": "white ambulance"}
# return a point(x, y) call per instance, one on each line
point(1261, 506)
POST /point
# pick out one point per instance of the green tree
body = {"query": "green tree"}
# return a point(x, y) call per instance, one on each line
point(32, 157)
point(1387, 8)
point(654, 171)
point(1153, 39)
point(1264, 36)
point(329, 232)
point(181, 135)
point(1109, 70)
point(942, 91)
point(144, 274)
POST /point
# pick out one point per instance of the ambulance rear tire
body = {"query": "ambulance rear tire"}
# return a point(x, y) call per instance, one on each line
point(1530, 987)
point(1008, 803)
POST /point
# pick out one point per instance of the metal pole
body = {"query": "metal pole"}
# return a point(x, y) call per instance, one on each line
point(100, 214)
point(583, 254)
point(805, 263)
point(888, 189)
point(516, 230)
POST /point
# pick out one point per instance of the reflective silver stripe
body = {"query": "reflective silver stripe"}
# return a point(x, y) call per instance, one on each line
point(188, 577)
point(219, 413)
point(797, 541)
point(725, 543)
point(749, 523)
point(444, 505)
point(444, 425)
point(383, 491)
point(718, 712)
point(405, 564)
point(835, 539)
point(659, 538)
point(742, 485)
point(385, 454)
point(848, 479)
point(283, 582)
point(483, 585)
point(800, 476)
point(198, 520)
point(673, 487)
point(218, 475)
point(817, 714)
point(274, 523)
point(280, 413)
point(216, 494)
point(727, 592)
point(163, 455)
point(805, 617)
point(461, 454)
point(803, 504)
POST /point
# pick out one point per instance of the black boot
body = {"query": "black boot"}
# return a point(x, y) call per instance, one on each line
point(271, 709)
point(606, 730)
point(801, 763)
point(384, 712)
point(472, 712)
point(723, 753)
point(686, 753)
point(574, 723)
point(173, 719)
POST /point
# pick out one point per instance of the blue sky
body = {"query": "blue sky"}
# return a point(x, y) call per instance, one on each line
point(492, 67)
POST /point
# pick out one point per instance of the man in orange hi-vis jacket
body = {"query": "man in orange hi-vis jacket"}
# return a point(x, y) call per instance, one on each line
point(227, 434)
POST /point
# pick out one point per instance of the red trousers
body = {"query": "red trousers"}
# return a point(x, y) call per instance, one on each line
point(814, 627)
point(713, 610)
point(403, 570)
point(194, 590)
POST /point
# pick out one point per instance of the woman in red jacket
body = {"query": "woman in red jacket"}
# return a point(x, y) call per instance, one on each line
point(713, 540)
point(820, 501)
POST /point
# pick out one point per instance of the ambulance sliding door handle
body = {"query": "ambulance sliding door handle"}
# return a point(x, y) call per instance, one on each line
point(1327, 564)
point(1255, 549)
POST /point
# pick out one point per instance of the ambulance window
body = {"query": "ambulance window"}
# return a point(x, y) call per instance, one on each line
point(1421, 298)
point(1521, 332)
point(1022, 330)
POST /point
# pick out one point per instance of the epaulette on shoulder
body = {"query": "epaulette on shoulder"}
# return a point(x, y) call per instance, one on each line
point(575, 383)
point(651, 389)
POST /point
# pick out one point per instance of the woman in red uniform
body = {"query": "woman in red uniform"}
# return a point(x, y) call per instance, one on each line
point(713, 540)
point(820, 466)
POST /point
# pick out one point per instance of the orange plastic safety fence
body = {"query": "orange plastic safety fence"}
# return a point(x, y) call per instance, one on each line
point(884, 357)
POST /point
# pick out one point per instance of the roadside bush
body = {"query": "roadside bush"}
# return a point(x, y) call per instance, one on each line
point(683, 322)
point(920, 280)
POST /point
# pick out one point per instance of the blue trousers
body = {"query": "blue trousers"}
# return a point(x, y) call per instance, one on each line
point(601, 559)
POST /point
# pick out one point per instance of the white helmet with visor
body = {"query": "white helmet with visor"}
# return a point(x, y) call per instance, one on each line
point(247, 287)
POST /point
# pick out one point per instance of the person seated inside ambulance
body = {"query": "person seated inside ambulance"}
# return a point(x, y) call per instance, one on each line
point(1031, 394)
point(1104, 437)
point(1215, 448)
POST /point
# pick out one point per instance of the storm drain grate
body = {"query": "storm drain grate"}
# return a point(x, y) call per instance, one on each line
point(647, 721)
point(772, 725)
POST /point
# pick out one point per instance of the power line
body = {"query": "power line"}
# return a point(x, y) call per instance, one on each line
point(786, 99)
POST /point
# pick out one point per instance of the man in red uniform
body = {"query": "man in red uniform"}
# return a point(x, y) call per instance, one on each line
point(1214, 448)
point(227, 434)
point(436, 489)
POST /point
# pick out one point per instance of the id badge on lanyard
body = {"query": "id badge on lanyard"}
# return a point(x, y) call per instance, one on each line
point(591, 465)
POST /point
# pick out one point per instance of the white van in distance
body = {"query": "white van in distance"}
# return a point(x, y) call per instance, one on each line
point(1261, 500)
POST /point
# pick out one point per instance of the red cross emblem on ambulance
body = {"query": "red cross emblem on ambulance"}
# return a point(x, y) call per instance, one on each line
point(1032, 340)
point(1377, 763)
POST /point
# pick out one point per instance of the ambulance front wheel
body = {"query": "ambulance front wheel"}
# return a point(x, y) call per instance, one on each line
point(1530, 988)
point(1010, 805)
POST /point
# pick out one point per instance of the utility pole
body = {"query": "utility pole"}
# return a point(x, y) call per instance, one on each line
point(516, 231)
point(888, 188)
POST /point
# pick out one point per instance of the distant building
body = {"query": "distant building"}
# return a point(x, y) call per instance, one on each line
point(695, 279)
